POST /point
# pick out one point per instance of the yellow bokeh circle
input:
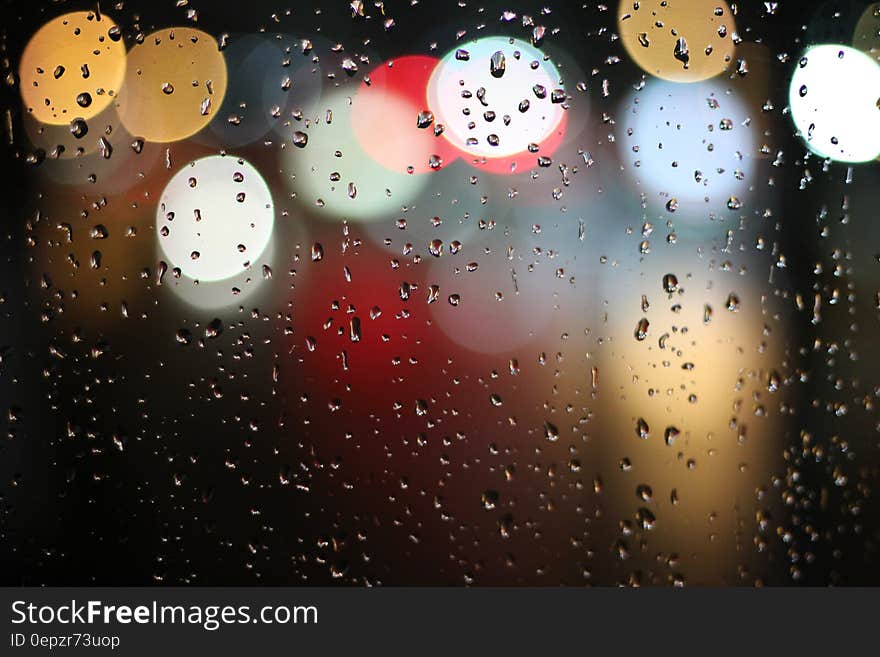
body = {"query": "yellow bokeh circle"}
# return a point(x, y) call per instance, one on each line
point(678, 40)
point(72, 67)
point(174, 84)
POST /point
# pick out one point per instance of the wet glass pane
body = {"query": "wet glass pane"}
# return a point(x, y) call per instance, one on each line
point(457, 293)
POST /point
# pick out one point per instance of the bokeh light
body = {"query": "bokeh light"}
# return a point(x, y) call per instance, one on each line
point(688, 147)
point(225, 296)
point(265, 85)
point(692, 400)
point(389, 119)
point(215, 218)
point(72, 67)
point(704, 341)
point(835, 102)
point(333, 174)
point(498, 98)
point(450, 210)
point(175, 81)
point(678, 40)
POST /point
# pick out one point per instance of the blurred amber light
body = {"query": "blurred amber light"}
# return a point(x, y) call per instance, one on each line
point(72, 67)
point(678, 40)
point(175, 82)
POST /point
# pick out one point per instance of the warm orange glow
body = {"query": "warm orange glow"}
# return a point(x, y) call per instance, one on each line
point(175, 83)
point(678, 40)
point(72, 67)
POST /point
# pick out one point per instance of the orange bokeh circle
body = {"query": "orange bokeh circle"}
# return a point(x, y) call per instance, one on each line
point(175, 82)
point(72, 67)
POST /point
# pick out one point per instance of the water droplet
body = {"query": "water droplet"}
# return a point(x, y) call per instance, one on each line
point(645, 519)
point(354, 329)
point(489, 499)
point(497, 64)
point(349, 66)
point(79, 128)
point(680, 52)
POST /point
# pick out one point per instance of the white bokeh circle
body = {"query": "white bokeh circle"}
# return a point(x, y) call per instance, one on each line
point(463, 92)
point(229, 294)
point(690, 145)
point(215, 217)
point(835, 102)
